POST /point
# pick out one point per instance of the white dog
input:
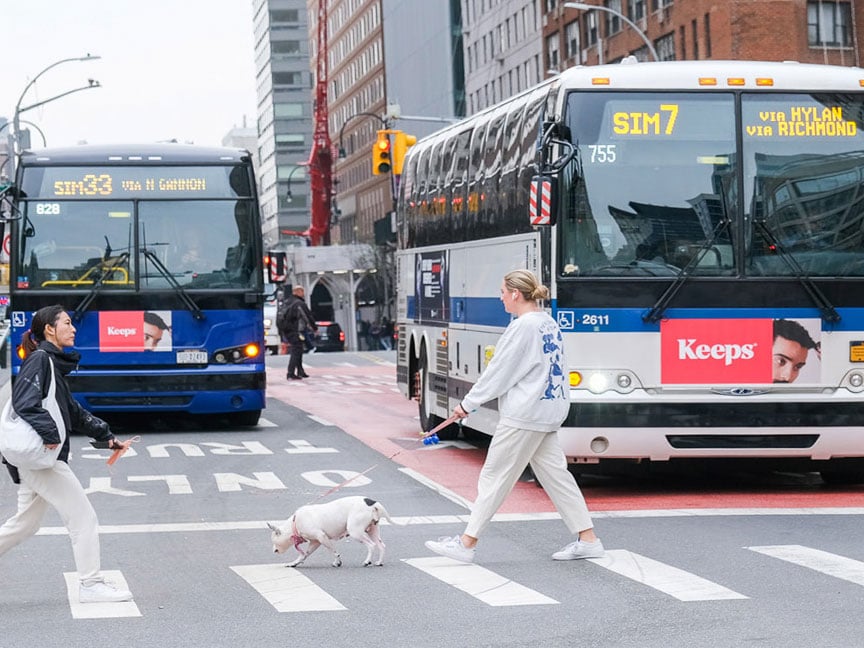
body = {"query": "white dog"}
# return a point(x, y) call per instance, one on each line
point(324, 524)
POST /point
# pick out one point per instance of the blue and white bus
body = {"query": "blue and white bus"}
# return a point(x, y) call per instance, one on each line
point(701, 227)
point(157, 251)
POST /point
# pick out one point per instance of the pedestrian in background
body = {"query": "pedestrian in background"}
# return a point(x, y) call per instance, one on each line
point(528, 376)
point(51, 332)
point(295, 322)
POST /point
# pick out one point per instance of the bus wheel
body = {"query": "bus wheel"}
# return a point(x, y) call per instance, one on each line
point(425, 397)
point(247, 418)
point(843, 471)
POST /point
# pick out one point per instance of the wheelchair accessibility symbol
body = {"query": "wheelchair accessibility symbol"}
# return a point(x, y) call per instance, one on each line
point(566, 320)
point(18, 319)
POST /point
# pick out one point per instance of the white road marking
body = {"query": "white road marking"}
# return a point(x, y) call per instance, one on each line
point(481, 583)
point(287, 589)
point(831, 564)
point(99, 610)
point(257, 525)
point(681, 584)
point(321, 421)
point(265, 423)
point(304, 447)
point(438, 488)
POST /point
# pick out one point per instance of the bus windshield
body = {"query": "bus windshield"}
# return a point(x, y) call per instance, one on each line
point(653, 167)
point(803, 168)
point(137, 244)
point(658, 174)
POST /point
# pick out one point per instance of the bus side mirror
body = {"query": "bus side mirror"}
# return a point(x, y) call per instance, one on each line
point(276, 267)
point(543, 200)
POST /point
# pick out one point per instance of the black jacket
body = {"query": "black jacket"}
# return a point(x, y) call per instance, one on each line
point(31, 387)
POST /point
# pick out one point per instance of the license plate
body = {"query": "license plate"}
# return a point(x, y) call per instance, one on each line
point(191, 357)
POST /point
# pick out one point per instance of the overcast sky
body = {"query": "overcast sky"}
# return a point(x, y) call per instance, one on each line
point(170, 69)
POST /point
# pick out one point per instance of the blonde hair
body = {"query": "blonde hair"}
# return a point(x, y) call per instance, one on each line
point(526, 283)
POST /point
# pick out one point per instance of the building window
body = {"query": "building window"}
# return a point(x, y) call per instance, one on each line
point(571, 36)
point(281, 110)
point(828, 23)
point(707, 36)
point(591, 34)
point(665, 47)
point(660, 4)
point(636, 9)
point(695, 28)
point(613, 20)
point(682, 36)
point(552, 52)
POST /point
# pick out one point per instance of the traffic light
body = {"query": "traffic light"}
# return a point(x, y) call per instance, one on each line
point(401, 142)
point(381, 153)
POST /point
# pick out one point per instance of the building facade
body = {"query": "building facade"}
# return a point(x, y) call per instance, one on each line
point(502, 49)
point(808, 31)
point(284, 126)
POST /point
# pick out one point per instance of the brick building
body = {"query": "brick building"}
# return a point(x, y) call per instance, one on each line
point(809, 31)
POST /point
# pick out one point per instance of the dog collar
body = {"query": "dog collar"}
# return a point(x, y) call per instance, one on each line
point(296, 538)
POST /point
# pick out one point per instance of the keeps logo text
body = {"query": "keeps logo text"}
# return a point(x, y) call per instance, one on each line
point(716, 351)
point(121, 331)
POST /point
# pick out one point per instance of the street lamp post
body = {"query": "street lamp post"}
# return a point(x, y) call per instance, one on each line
point(13, 138)
point(383, 121)
point(588, 7)
point(297, 166)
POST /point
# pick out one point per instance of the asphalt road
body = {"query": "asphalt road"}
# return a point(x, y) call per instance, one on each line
point(184, 525)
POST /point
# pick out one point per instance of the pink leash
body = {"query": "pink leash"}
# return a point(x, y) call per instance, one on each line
point(425, 435)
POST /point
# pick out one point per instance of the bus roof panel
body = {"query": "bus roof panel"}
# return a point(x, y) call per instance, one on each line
point(133, 154)
point(685, 75)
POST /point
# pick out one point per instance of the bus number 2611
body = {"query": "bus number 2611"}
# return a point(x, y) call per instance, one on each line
point(595, 320)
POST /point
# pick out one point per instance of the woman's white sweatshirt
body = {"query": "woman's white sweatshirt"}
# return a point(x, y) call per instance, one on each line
point(527, 374)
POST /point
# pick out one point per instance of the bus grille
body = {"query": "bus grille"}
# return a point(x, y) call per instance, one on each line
point(127, 401)
point(740, 441)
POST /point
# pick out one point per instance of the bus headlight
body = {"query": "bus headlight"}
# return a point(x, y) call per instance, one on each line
point(575, 378)
point(598, 383)
point(624, 381)
point(856, 380)
point(237, 354)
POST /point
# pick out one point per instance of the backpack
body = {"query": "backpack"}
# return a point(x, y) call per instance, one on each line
point(287, 317)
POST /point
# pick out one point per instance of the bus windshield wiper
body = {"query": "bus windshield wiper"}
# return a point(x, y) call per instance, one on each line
point(165, 272)
point(107, 271)
point(656, 313)
point(826, 308)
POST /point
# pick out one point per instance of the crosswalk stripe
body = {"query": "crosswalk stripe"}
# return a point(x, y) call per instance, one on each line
point(287, 589)
point(831, 564)
point(681, 584)
point(482, 584)
point(99, 610)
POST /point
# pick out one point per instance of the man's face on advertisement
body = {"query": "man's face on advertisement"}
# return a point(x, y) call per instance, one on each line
point(789, 359)
point(152, 336)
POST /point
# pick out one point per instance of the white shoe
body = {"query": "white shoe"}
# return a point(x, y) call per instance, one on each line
point(577, 550)
point(451, 548)
point(102, 592)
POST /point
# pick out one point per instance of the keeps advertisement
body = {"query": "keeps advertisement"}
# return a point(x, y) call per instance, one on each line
point(740, 351)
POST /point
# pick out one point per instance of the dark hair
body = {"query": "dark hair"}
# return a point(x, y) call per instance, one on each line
point(792, 330)
point(152, 318)
point(43, 317)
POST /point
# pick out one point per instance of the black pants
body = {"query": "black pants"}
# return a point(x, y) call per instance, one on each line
point(295, 355)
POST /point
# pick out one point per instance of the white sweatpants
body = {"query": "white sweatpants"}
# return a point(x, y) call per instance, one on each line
point(509, 453)
point(60, 488)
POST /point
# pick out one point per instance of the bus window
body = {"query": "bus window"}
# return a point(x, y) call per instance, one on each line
point(74, 244)
point(511, 220)
point(803, 170)
point(642, 206)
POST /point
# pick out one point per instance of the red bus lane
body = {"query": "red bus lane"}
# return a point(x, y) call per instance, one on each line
point(365, 403)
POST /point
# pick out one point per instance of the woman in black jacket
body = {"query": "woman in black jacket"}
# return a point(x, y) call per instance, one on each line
point(51, 331)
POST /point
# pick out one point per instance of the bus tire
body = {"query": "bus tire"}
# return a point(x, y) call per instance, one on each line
point(841, 472)
point(246, 419)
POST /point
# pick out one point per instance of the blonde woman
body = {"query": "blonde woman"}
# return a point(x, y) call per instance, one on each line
point(528, 376)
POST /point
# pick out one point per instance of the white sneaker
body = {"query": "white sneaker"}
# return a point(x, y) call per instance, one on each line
point(451, 548)
point(579, 549)
point(102, 592)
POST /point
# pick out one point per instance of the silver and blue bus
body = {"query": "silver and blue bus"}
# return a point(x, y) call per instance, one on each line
point(701, 227)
